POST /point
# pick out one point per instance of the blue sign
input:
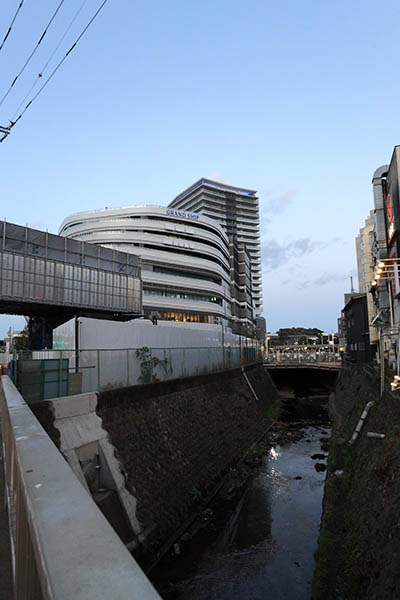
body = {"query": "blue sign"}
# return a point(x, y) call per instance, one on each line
point(180, 213)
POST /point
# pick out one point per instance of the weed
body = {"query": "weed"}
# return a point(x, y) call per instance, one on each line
point(273, 413)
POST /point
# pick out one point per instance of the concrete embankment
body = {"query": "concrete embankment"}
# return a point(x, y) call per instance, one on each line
point(358, 554)
point(160, 450)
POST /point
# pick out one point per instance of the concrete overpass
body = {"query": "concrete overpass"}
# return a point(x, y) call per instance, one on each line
point(52, 279)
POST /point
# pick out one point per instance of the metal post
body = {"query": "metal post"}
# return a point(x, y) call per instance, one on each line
point(59, 374)
point(382, 357)
point(390, 303)
point(76, 344)
point(223, 347)
point(127, 366)
point(98, 370)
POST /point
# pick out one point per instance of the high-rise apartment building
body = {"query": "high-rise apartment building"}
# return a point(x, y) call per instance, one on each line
point(365, 268)
point(236, 209)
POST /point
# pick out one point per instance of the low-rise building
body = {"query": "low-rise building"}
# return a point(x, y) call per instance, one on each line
point(354, 329)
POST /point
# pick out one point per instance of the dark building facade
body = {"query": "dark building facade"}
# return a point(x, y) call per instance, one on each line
point(241, 284)
point(354, 330)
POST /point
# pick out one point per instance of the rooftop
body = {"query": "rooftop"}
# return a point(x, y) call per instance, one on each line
point(216, 184)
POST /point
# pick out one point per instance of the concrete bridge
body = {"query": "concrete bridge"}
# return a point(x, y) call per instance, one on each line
point(52, 279)
point(317, 366)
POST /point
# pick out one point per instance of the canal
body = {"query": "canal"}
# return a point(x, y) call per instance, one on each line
point(257, 542)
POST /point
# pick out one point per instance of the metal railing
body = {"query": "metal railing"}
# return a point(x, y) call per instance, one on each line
point(62, 545)
point(301, 354)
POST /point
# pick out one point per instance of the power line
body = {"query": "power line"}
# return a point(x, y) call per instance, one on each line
point(12, 23)
point(40, 74)
point(32, 53)
point(57, 67)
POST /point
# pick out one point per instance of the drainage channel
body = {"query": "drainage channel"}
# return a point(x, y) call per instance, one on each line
point(258, 540)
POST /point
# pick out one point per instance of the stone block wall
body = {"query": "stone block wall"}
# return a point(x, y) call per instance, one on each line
point(175, 440)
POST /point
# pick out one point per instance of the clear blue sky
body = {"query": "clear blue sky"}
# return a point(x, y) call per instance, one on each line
point(297, 99)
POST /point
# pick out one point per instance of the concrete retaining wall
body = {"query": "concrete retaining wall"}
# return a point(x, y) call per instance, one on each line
point(161, 446)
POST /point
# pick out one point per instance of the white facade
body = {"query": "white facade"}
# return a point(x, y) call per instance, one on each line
point(113, 354)
point(237, 210)
point(184, 258)
point(102, 334)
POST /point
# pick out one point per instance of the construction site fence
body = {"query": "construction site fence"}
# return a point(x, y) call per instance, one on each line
point(54, 373)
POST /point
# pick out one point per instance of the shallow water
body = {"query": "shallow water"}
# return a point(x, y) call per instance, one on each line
point(265, 551)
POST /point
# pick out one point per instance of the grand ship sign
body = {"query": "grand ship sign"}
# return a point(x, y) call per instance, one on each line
point(182, 214)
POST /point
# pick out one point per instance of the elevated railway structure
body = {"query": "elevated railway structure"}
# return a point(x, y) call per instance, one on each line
point(51, 279)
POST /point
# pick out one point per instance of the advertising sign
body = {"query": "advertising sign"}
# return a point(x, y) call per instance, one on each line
point(392, 200)
point(389, 218)
point(394, 268)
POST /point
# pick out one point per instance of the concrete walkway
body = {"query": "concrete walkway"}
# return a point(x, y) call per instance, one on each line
point(6, 584)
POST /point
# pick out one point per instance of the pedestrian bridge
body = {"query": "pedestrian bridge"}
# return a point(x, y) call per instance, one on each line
point(57, 278)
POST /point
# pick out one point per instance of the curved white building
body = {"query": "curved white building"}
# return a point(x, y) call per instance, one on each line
point(184, 258)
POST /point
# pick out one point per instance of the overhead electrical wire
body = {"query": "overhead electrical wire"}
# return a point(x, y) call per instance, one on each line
point(40, 74)
point(11, 25)
point(59, 64)
point(32, 53)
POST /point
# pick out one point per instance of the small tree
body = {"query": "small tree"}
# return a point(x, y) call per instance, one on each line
point(21, 340)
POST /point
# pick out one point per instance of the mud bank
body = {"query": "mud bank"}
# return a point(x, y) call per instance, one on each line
point(358, 554)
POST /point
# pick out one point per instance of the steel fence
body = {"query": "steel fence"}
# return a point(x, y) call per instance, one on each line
point(97, 370)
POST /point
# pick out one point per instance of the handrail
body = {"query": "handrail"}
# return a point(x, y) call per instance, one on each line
point(63, 547)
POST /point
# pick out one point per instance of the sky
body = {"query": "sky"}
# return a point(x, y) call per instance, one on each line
point(297, 99)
